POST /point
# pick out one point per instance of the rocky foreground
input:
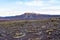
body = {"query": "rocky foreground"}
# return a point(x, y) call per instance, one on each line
point(48, 29)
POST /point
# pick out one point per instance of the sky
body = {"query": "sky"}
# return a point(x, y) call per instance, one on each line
point(18, 7)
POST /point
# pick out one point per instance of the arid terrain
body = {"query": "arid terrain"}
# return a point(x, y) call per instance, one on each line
point(48, 29)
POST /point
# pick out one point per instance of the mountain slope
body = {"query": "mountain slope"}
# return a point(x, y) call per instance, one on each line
point(29, 16)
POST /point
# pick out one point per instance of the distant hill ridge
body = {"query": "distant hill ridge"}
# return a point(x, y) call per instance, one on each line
point(29, 16)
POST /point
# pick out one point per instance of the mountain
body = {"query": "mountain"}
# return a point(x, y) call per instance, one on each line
point(29, 16)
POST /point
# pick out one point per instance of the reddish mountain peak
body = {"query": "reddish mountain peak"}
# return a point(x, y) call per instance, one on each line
point(27, 13)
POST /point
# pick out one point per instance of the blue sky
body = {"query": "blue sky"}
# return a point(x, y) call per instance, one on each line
point(18, 7)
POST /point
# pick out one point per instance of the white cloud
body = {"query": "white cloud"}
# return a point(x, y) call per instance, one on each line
point(34, 3)
point(10, 13)
point(51, 12)
point(19, 3)
point(51, 4)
